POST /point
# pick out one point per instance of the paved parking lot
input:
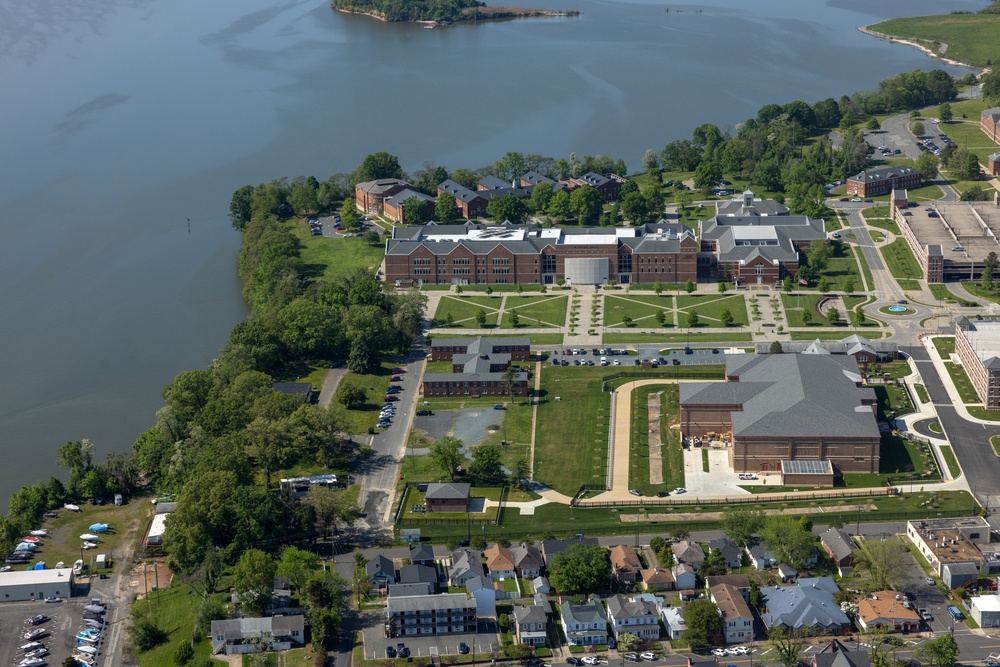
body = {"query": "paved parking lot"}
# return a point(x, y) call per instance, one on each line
point(484, 642)
point(65, 621)
point(470, 425)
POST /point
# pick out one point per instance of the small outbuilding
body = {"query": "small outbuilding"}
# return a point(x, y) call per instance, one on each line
point(447, 497)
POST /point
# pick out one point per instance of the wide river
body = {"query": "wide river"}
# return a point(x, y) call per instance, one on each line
point(126, 125)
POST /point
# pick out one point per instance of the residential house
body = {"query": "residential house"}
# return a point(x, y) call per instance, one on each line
point(447, 497)
point(625, 564)
point(500, 562)
point(303, 390)
point(443, 614)
point(252, 635)
point(422, 554)
point(735, 613)
point(551, 548)
point(787, 573)
point(690, 553)
point(985, 610)
point(673, 621)
point(808, 607)
point(836, 654)
point(887, 609)
point(787, 407)
point(684, 576)
point(465, 564)
point(762, 559)
point(639, 617)
point(541, 585)
point(380, 572)
point(407, 590)
point(740, 581)
point(731, 552)
point(527, 560)
point(584, 624)
point(531, 625)
point(657, 579)
point(482, 590)
point(419, 574)
point(839, 546)
point(955, 575)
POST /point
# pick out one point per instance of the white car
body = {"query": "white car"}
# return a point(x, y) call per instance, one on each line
point(648, 655)
point(720, 652)
point(680, 489)
point(590, 660)
point(742, 650)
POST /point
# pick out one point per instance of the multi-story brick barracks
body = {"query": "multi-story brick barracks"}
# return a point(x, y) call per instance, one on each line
point(478, 367)
point(475, 253)
point(989, 123)
point(754, 242)
point(882, 181)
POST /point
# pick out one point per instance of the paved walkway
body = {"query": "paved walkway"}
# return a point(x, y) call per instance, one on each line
point(330, 383)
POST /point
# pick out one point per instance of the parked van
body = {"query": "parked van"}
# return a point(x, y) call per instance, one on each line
point(604, 361)
point(954, 612)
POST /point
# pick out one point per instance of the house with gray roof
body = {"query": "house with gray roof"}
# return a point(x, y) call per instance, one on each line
point(252, 635)
point(465, 564)
point(584, 624)
point(527, 560)
point(690, 553)
point(637, 616)
point(418, 574)
point(807, 607)
point(840, 548)
point(836, 654)
point(381, 573)
point(407, 590)
point(732, 555)
point(531, 625)
point(422, 615)
point(787, 407)
point(422, 553)
point(551, 548)
point(447, 497)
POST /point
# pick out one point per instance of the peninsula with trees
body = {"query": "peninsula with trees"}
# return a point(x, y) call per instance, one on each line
point(439, 12)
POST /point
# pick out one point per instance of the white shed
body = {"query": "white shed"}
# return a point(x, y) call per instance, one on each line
point(35, 584)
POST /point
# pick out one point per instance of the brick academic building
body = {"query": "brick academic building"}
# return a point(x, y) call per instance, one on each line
point(475, 253)
point(478, 367)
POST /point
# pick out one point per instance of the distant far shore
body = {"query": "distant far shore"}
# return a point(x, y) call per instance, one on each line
point(471, 14)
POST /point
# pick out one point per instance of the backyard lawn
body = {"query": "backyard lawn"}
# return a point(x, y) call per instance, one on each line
point(710, 306)
point(642, 310)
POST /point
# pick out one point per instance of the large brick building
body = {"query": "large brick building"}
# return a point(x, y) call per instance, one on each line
point(393, 206)
point(480, 370)
point(787, 407)
point(507, 254)
point(882, 181)
point(977, 344)
point(754, 242)
point(370, 196)
point(989, 123)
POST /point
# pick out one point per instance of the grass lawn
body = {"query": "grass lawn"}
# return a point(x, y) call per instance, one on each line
point(175, 610)
point(415, 497)
point(900, 261)
point(943, 294)
point(962, 382)
point(710, 306)
point(642, 310)
point(670, 448)
point(833, 335)
point(866, 271)
point(841, 266)
point(995, 443)
point(463, 312)
point(896, 369)
point(851, 303)
point(328, 258)
point(875, 212)
point(892, 401)
point(535, 339)
point(374, 386)
point(975, 290)
point(936, 427)
point(945, 345)
point(922, 392)
point(979, 412)
point(884, 224)
point(694, 337)
point(949, 459)
point(797, 304)
point(527, 287)
point(539, 310)
point(571, 442)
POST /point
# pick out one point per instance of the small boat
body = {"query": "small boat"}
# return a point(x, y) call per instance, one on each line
point(38, 619)
point(89, 537)
point(5, 568)
point(94, 623)
point(32, 635)
point(90, 650)
point(85, 658)
point(25, 546)
point(29, 538)
point(95, 608)
point(37, 653)
point(89, 633)
point(40, 565)
point(71, 507)
point(60, 565)
point(39, 533)
point(32, 662)
point(31, 646)
point(99, 527)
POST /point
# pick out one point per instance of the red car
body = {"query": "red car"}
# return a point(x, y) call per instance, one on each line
point(396, 378)
point(389, 398)
point(397, 371)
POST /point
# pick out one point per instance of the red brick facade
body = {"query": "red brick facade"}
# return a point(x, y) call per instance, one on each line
point(989, 123)
point(370, 196)
point(462, 386)
point(445, 350)
point(883, 181)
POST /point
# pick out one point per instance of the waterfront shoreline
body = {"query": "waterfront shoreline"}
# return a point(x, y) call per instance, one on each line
point(866, 29)
point(482, 14)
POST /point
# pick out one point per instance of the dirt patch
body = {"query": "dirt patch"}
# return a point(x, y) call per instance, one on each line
point(146, 577)
point(710, 516)
point(655, 450)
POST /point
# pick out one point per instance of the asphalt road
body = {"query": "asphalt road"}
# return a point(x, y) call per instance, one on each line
point(969, 440)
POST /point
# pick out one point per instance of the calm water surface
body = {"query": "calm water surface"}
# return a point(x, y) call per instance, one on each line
point(126, 124)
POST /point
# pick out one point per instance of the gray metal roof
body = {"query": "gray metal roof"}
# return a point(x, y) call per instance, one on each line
point(380, 564)
point(448, 490)
point(417, 574)
point(533, 614)
point(591, 611)
point(621, 607)
point(838, 542)
point(398, 198)
point(844, 346)
point(526, 556)
point(800, 467)
point(789, 395)
point(806, 605)
point(882, 173)
point(465, 561)
point(438, 602)
point(421, 551)
point(408, 590)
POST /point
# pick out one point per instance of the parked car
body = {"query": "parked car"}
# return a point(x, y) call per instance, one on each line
point(389, 398)
point(390, 652)
point(631, 657)
point(662, 494)
point(954, 612)
point(648, 655)
point(499, 406)
point(402, 650)
point(680, 489)
point(635, 492)
point(463, 648)
point(576, 662)
point(424, 413)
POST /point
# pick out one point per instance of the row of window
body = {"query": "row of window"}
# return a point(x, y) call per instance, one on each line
point(485, 392)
